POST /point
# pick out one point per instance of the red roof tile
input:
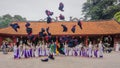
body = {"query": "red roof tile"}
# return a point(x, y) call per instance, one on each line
point(89, 28)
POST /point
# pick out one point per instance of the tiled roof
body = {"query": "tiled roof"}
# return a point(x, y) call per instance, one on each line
point(89, 28)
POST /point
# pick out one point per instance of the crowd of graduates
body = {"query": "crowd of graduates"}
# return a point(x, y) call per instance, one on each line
point(65, 45)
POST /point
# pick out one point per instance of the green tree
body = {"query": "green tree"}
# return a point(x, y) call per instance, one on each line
point(7, 16)
point(18, 18)
point(100, 9)
point(5, 20)
point(117, 16)
point(3, 23)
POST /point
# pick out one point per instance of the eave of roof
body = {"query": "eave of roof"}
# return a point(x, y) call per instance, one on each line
point(108, 27)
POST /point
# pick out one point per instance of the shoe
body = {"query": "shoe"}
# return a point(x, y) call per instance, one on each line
point(51, 57)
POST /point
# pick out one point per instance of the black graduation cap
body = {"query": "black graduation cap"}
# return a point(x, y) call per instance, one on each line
point(64, 28)
point(44, 60)
point(15, 26)
point(80, 24)
point(61, 17)
point(29, 30)
point(73, 29)
point(49, 19)
point(51, 13)
point(27, 24)
point(31, 37)
point(42, 30)
point(48, 13)
point(47, 30)
point(61, 6)
point(41, 34)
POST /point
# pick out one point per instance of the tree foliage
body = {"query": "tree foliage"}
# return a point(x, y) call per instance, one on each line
point(100, 9)
point(5, 20)
point(117, 16)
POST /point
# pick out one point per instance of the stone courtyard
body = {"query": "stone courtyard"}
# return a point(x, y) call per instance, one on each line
point(110, 60)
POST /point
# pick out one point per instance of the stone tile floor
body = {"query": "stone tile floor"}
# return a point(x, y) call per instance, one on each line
point(110, 60)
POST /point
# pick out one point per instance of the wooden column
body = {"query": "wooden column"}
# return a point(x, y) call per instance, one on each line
point(115, 39)
point(86, 41)
point(1, 39)
point(14, 39)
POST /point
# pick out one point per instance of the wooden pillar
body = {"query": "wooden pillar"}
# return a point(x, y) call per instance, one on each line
point(94, 41)
point(57, 40)
point(1, 39)
point(14, 39)
point(115, 39)
point(86, 41)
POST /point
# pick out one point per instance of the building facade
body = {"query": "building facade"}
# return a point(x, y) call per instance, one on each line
point(105, 30)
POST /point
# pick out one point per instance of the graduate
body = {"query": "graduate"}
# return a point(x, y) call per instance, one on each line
point(70, 52)
point(77, 48)
point(61, 48)
point(100, 49)
point(52, 48)
point(25, 54)
point(117, 46)
point(90, 49)
point(66, 49)
point(80, 48)
point(54, 43)
point(16, 51)
point(95, 49)
point(4, 47)
point(46, 49)
point(50, 55)
point(32, 50)
point(43, 49)
point(20, 48)
point(83, 51)
point(51, 51)
point(28, 51)
point(75, 51)
point(37, 51)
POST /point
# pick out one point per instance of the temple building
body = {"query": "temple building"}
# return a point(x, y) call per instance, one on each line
point(91, 30)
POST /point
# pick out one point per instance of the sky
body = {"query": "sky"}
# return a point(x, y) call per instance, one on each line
point(34, 10)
